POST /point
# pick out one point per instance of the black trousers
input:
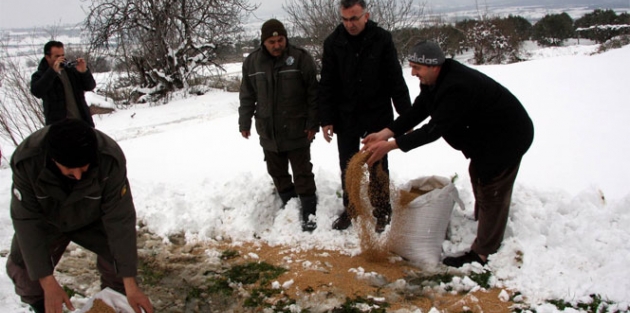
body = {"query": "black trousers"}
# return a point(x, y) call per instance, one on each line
point(492, 208)
point(348, 144)
point(301, 166)
point(91, 237)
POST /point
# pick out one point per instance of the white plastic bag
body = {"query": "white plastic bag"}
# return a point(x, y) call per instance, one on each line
point(419, 228)
point(112, 298)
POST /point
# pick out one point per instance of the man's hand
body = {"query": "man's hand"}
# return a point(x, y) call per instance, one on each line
point(81, 65)
point(378, 146)
point(383, 135)
point(328, 132)
point(136, 298)
point(246, 134)
point(378, 150)
point(54, 296)
point(310, 134)
point(57, 65)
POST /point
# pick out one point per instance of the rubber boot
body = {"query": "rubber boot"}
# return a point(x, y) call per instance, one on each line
point(286, 196)
point(309, 207)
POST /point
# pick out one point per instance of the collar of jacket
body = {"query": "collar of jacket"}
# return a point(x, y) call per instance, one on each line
point(51, 182)
point(446, 68)
point(43, 65)
point(368, 32)
point(277, 61)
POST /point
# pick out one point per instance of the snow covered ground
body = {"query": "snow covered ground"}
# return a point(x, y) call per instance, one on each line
point(192, 172)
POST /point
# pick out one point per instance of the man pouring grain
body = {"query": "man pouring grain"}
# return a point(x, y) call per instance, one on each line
point(475, 115)
point(70, 184)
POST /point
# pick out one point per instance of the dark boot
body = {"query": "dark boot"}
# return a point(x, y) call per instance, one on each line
point(309, 206)
point(38, 307)
point(342, 222)
point(287, 195)
point(468, 257)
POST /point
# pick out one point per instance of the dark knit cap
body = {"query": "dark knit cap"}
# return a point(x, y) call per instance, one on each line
point(272, 28)
point(72, 143)
point(426, 53)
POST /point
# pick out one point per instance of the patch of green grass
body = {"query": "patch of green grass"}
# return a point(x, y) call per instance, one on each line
point(229, 254)
point(219, 285)
point(350, 306)
point(71, 292)
point(150, 275)
point(482, 279)
point(271, 299)
point(253, 272)
point(596, 305)
point(431, 280)
point(194, 293)
point(258, 297)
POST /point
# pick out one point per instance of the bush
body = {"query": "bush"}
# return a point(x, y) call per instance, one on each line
point(553, 29)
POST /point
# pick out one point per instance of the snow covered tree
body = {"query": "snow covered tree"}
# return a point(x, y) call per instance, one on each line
point(603, 25)
point(163, 43)
point(553, 29)
point(490, 45)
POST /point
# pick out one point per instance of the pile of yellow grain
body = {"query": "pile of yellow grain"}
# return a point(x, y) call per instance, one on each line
point(99, 306)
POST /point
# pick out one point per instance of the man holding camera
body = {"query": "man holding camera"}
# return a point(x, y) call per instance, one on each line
point(61, 85)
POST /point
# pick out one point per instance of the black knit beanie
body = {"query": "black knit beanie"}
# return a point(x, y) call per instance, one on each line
point(426, 53)
point(272, 28)
point(72, 143)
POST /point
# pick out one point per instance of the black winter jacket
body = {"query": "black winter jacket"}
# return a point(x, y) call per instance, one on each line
point(46, 85)
point(474, 114)
point(357, 87)
point(281, 93)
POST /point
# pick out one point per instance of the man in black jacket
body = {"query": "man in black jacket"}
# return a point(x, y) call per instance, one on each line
point(475, 115)
point(62, 85)
point(360, 77)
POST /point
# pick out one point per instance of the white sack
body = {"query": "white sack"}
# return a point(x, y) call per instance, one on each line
point(418, 230)
point(112, 298)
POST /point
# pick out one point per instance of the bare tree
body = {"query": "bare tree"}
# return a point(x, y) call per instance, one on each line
point(20, 112)
point(316, 19)
point(165, 42)
point(397, 15)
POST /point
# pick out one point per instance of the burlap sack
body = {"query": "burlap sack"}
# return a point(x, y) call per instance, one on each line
point(419, 228)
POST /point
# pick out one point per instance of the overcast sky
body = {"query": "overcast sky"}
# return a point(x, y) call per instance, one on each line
point(16, 13)
point(40, 13)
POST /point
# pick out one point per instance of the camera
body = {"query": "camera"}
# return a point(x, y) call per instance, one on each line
point(69, 64)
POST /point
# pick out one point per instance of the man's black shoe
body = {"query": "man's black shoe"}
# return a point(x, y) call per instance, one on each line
point(343, 222)
point(467, 258)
